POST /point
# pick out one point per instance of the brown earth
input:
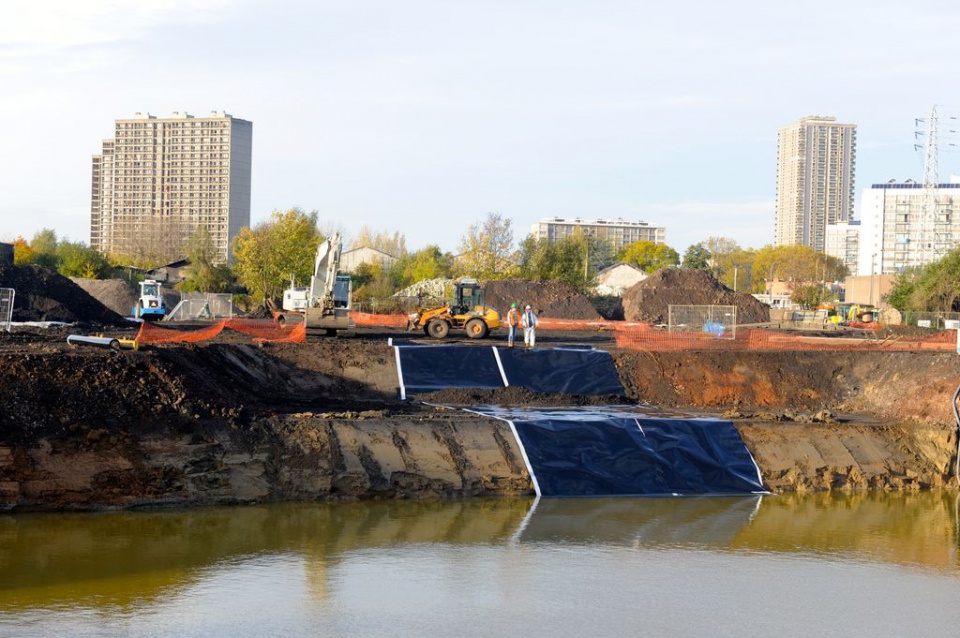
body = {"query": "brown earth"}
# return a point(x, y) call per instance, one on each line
point(235, 422)
point(649, 301)
point(45, 295)
point(548, 298)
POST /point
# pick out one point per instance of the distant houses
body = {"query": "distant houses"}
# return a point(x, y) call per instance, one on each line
point(613, 280)
point(351, 259)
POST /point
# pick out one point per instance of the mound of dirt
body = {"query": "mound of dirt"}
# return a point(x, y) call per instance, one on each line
point(649, 300)
point(549, 298)
point(116, 294)
point(45, 295)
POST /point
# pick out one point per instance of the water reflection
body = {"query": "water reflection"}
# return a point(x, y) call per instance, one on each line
point(130, 560)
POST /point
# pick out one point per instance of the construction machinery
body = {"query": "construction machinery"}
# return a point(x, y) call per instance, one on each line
point(150, 305)
point(467, 312)
point(325, 305)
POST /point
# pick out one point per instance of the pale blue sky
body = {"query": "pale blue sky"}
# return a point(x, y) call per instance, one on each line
point(421, 117)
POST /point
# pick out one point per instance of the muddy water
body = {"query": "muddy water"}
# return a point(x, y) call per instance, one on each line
point(829, 565)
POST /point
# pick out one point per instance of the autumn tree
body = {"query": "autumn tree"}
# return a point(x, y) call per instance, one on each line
point(394, 245)
point(266, 255)
point(649, 256)
point(43, 248)
point(22, 253)
point(486, 248)
point(426, 263)
point(796, 263)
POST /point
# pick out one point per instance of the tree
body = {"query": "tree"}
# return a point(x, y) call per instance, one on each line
point(22, 253)
point(426, 263)
point(43, 248)
point(394, 245)
point(76, 259)
point(696, 257)
point(205, 274)
point(934, 287)
point(158, 240)
point(809, 295)
point(560, 260)
point(267, 255)
point(649, 256)
point(486, 248)
point(794, 263)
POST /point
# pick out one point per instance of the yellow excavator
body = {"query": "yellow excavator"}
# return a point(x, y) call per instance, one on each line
point(467, 312)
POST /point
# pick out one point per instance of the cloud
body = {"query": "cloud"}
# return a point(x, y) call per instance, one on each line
point(35, 27)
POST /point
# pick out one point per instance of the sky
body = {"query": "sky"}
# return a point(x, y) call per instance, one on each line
point(421, 117)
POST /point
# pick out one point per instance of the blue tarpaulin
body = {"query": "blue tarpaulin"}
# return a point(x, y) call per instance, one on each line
point(618, 452)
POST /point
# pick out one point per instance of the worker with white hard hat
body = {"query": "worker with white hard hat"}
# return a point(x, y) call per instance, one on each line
point(529, 322)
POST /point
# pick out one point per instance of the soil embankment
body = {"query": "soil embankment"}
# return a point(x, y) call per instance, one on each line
point(220, 423)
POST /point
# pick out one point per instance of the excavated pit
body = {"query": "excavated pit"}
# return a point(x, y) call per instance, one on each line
point(85, 428)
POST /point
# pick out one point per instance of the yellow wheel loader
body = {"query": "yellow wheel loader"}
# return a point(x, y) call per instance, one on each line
point(467, 313)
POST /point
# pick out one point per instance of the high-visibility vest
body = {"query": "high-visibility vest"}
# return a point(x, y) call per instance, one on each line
point(513, 317)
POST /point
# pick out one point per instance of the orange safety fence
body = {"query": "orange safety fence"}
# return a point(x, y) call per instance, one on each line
point(549, 323)
point(764, 340)
point(259, 329)
point(370, 320)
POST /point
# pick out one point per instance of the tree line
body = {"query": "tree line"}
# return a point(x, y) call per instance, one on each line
point(268, 255)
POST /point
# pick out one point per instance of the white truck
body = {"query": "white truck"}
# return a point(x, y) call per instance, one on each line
point(325, 305)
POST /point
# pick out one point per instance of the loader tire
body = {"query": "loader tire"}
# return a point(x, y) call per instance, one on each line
point(438, 329)
point(476, 329)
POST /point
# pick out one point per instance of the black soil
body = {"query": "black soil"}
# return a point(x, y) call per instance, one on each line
point(42, 294)
point(649, 301)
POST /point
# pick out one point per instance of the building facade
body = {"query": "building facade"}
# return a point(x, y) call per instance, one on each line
point(816, 158)
point(618, 232)
point(906, 225)
point(159, 180)
point(843, 242)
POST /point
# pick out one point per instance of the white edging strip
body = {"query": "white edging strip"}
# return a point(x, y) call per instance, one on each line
point(503, 374)
point(523, 451)
point(403, 389)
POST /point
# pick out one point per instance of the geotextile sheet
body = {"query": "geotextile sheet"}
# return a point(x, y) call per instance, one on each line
point(613, 451)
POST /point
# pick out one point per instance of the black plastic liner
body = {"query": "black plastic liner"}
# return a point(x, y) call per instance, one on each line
point(431, 368)
point(614, 452)
point(561, 370)
point(584, 371)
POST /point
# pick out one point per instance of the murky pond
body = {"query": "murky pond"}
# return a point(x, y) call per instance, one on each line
point(827, 565)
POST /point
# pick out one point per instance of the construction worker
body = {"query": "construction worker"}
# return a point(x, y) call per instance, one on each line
point(513, 320)
point(529, 322)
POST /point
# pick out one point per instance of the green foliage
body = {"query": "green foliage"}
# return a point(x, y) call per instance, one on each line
point(486, 248)
point(427, 263)
point(69, 258)
point(649, 256)
point(205, 274)
point(934, 287)
point(267, 255)
point(810, 295)
point(696, 257)
point(76, 259)
point(794, 263)
point(562, 260)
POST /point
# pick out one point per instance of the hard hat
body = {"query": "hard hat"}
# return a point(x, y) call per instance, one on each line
point(514, 306)
point(528, 307)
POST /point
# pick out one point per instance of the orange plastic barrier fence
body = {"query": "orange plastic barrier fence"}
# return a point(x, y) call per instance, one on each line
point(549, 323)
point(370, 320)
point(259, 329)
point(765, 340)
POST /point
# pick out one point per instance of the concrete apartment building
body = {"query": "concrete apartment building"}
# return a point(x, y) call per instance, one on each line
point(816, 158)
point(843, 242)
point(618, 232)
point(898, 232)
point(163, 177)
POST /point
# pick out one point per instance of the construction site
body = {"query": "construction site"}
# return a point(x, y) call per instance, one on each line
point(241, 410)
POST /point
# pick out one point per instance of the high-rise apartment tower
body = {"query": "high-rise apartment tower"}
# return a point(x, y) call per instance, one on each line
point(159, 180)
point(815, 174)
